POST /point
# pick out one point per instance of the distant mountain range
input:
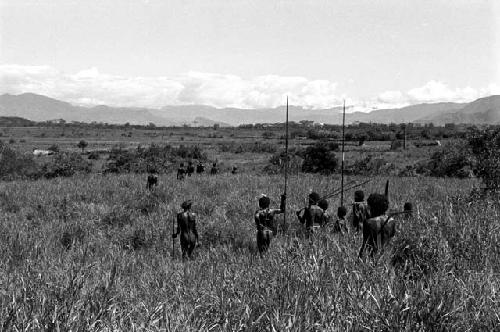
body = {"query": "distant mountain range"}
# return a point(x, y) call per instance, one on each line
point(41, 108)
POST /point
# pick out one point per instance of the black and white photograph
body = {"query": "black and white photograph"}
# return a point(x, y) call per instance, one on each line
point(249, 165)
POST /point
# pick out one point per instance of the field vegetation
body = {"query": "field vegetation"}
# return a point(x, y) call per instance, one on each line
point(92, 250)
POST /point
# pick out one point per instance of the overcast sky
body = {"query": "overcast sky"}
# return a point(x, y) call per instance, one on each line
point(251, 53)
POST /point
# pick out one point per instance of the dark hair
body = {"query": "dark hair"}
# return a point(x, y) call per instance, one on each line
point(409, 208)
point(214, 164)
point(314, 197)
point(323, 203)
point(341, 211)
point(378, 204)
point(182, 164)
point(186, 204)
point(264, 202)
point(359, 196)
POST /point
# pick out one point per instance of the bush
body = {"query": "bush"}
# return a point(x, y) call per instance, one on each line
point(320, 158)
point(14, 165)
point(155, 156)
point(267, 135)
point(66, 164)
point(94, 155)
point(453, 160)
point(277, 162)
point(486, 150)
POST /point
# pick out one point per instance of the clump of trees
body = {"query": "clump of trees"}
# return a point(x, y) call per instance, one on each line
point(157, 157)
point(320, 158)
point(66, 164)
point(15, 165)
point(452, 160)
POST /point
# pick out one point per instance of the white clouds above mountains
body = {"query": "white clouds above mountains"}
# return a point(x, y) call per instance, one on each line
point(90, 87)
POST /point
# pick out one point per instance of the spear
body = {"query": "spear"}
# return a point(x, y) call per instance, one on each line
point(286, 161)
point(342, 167)
point(349, 186)
point(173, 239)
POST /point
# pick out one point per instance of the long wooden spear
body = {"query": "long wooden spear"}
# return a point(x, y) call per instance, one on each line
point(173, 239)
point(342, 167)
point(286, 162)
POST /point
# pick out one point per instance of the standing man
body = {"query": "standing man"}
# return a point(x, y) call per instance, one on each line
point(200, 168)
point(360, 211)
point(181, 172)
point(265, 222)
point(186, 226)
point(380, 228)
point(312, 215)
point(190, 168)
point(152, 179)
point(214, 169)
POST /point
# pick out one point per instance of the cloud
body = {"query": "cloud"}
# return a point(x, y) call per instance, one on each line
point(434, 92)
point(91, 87)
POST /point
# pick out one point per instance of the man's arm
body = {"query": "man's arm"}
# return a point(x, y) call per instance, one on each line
point(195, 231)
point(301, 215)
point(282, 206)
point(257, 221)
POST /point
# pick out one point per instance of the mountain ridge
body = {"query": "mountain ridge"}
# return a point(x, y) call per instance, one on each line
point(42, 108)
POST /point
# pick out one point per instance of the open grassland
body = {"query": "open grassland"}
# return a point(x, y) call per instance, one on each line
point(95, 253)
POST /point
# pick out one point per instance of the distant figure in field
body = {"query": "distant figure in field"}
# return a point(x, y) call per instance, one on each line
point(327, 218)
point(312, 215)
point(186, 226)
point(340, 225)
point(152, 179)
point(265, 222)
point(181, 172)
point(214, 169)
point(380, 228)
point(190, 168)
point(234, 170)
point(408, 208)
point(359, 211)
point(200, 168)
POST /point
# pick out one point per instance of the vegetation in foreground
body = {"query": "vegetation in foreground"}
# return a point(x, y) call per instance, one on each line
point(95, 253)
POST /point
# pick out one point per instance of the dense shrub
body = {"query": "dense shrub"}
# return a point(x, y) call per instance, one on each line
point(453, 160)
point(486, 150)
point(370, 165)
point(66, 164)
point(94, 155)
point(267, 135)
point(277, 162)
point(14, 165)
point(155, 157)
point(320, 158)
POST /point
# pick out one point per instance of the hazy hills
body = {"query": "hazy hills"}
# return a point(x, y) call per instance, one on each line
point(41, 108)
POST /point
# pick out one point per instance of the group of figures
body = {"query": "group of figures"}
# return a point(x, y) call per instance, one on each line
point(182, 171)
point(369, 217)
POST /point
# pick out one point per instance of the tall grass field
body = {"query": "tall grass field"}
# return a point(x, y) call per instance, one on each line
point(95, 253)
